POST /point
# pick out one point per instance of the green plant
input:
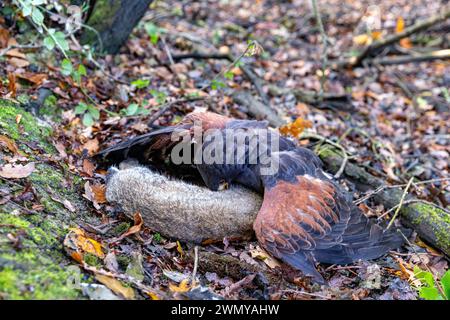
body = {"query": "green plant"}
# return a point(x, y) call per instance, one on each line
point(140, 83)
point(134, 109)
point(153, 31)
point(160, 96)
point(89, 112)
point(431, 289)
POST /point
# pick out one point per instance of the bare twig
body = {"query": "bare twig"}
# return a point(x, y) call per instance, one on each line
point(325, 47)
point(18, 46)
point(194, 271)
point(405, 192)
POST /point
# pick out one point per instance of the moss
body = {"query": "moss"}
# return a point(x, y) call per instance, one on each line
point(123, 261)
point(50, 108)
point(92, 260)
point(437, 219)
point(121, 228)
point(27, 271)
point(28, 128)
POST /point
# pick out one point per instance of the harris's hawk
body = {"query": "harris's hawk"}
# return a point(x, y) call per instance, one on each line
point(305, 216)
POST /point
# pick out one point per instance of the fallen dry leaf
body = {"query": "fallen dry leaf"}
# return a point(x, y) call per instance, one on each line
point(16, 171)
point(91, 146)
point(10, 144)
point(261, 254)
point(138, 223)
point(35, 78)
point(116, 286)
point(295, 128)
point(184, 286)
point(88, 168)
point(19, 63)
point(12, 85)
point(78, 240)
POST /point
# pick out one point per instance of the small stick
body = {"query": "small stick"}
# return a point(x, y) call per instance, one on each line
point(401, 203)
point(194, 272)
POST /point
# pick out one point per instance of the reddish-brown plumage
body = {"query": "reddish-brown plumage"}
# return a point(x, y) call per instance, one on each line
point(290, 208)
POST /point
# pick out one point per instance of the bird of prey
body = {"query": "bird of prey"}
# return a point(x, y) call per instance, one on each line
point(305, 216)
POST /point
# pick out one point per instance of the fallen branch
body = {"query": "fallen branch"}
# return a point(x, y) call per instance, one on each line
point(431, 224)
point(336, 101)
point(377, 45)
point(257, 109)
point(435, 55)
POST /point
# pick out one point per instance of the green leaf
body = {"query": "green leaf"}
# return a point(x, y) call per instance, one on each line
point(49, 43)
point(132, 109)
point(424, 276)
point(82, 70)
point(88, 120)
point(37, 16)
point(66, 67)
point(445, 281)
point(38, 2)
point(228, 75)
point(217, 84)
point(140, 83)
point(81, 108)
point(60, 39)
point(153, 31)
point(428, 293)
point(26, 9)
point(94, 112)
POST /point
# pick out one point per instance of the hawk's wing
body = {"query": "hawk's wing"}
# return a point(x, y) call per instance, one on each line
point(306, 218)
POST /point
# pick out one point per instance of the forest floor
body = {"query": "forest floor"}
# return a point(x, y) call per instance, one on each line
point(55, 223)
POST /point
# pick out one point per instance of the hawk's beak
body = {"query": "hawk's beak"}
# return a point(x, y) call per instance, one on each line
point(223, 186)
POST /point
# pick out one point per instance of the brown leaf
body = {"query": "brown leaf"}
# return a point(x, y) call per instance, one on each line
point(4, 37)
point(91, 146)
point(88, 168)
point(138, 223)
point(35, 78)
point(16, 171)
point(19, 63)
point(116, 286)
point(10, 144)
point(16, 54)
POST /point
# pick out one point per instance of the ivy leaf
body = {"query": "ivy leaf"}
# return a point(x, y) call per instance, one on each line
point(49, 43)
point(37, 16)
point(88, 120)
point(66, 67)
